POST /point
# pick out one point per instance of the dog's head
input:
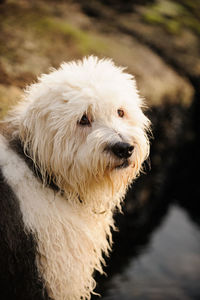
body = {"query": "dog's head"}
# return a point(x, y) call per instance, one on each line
point(83, 125)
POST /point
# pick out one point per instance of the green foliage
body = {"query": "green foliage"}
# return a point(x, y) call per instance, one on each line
point(85, 42)
point(41, 24)
point(173, 16)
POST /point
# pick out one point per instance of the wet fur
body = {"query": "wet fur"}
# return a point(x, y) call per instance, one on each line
point(59, 181)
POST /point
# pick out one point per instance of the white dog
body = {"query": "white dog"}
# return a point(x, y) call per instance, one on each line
point(68, 152)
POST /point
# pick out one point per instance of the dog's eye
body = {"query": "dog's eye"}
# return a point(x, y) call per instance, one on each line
point(120, 113)
point(84, 121)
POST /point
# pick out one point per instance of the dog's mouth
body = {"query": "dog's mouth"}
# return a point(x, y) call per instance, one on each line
point(123, 165)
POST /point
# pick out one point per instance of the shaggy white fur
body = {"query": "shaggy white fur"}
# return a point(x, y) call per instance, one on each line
point(72, 227)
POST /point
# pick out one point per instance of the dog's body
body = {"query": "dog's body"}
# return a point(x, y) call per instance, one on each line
point(67, 154)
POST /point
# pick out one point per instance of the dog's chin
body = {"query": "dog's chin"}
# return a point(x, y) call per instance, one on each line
point(123, 165)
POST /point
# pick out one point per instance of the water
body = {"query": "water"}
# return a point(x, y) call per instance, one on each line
point(169, 268)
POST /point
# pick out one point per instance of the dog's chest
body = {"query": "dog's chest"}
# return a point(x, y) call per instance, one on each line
point(69, 242)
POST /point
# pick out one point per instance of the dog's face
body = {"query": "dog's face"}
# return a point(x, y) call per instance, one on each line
point(84, 124)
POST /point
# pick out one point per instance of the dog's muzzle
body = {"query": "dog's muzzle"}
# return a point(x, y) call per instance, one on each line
point(122, 150)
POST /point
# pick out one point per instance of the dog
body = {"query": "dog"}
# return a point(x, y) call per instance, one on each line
point(68, 152)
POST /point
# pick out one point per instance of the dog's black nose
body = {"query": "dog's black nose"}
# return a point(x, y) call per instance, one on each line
point(122, 150)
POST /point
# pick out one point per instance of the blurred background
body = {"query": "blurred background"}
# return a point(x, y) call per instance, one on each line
point(156, 253)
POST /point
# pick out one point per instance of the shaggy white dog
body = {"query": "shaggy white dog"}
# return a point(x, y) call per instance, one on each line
point(68, 153)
